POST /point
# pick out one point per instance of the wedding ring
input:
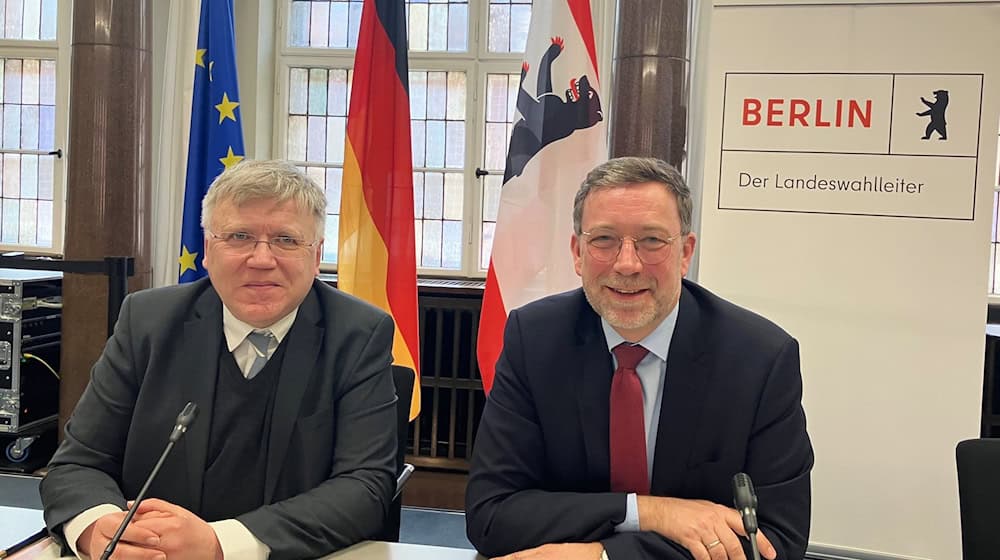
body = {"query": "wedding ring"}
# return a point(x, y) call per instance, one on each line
point(716, 542)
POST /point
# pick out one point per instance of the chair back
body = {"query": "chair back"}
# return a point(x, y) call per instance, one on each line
point(979, 495)
point(403, 377)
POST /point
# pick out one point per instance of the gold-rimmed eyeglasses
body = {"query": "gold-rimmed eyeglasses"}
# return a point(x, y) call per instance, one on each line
point(605, 246)
point(243, 243)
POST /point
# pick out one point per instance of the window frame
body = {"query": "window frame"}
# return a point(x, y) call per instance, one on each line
point(58, 50)
point(993, 297)
point(476, 62)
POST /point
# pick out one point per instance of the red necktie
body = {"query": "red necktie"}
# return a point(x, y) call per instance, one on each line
point(629, 472)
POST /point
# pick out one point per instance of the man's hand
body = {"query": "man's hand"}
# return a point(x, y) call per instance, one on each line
point(181, 533)
point(567, 551)
point(708, 530)
point(137, 543)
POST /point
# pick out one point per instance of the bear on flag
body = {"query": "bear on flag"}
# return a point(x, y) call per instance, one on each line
point(559, 134)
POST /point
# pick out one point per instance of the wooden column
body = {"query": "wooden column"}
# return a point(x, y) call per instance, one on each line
point(651, 80)
point(109, 176)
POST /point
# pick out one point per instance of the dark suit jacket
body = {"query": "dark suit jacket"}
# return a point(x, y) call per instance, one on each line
point(331, 451)
point(731, 403)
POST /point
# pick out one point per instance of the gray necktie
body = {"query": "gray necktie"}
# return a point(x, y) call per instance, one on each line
point(260, 341)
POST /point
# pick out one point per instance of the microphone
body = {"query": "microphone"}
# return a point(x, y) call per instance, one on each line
point(184, 419)
point(745, 501)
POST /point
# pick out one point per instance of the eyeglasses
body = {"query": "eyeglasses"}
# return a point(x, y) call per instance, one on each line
point(243, 243)
point(605, 246)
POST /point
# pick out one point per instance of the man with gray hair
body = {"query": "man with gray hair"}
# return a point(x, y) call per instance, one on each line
point(293, 453)
point(620, 412)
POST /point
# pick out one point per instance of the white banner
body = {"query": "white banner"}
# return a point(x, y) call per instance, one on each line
point(851, 144)
point(850, 160)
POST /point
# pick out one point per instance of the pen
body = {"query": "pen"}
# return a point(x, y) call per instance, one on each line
point(4, 553)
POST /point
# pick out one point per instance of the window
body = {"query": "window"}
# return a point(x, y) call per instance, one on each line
point(33, 72)
point(464, 69)
point(994, 278)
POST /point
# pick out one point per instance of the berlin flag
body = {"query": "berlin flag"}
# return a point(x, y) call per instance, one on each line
point(559, 134)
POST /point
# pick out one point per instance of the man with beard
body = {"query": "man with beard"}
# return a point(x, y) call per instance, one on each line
point(621, 411)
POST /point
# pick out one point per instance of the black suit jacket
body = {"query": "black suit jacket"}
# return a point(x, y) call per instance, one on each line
point(731, 403)
point(330, 471)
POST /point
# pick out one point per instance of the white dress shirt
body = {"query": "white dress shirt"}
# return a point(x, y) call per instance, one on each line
point(235, 539)
point(236, 337)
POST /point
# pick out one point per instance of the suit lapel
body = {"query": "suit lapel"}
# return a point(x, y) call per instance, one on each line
point(297, 369)
point(593, 387)
point(684, 392)
point(202, 337)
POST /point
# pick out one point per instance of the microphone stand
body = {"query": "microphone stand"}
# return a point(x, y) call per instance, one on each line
point(753, 545)
point(184, 419)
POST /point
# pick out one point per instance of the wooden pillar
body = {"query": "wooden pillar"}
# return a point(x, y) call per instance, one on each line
point(108, 176)
point(651, 80)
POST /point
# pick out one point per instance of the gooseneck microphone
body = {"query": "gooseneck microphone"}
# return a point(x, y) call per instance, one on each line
point(184, 420)
point(745, 501)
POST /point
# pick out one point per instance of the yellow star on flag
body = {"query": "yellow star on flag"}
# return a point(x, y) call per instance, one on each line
point(199, 57)
point(227, 109)
point(187, 260)
point(231, 159)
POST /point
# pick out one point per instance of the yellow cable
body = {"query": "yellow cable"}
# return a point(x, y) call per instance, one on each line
point(44, 363)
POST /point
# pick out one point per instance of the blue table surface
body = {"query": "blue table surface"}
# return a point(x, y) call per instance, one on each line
point(17, 524)
point(20, 509)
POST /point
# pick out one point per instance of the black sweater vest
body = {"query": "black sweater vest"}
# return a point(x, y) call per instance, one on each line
point(237, 448)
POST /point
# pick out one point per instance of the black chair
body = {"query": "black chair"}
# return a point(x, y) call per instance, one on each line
point(979, 493)
point(403, 377)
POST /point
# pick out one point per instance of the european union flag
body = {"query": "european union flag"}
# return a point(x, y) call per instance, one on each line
point(216, 141)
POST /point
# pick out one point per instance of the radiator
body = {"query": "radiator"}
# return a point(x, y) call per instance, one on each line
point(452, 396)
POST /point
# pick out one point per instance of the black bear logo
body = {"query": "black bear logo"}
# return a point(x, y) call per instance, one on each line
point(546, 117)
point(936, 112)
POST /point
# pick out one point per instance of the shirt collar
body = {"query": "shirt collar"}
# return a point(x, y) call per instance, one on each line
point(237, 331)
point(657, 342)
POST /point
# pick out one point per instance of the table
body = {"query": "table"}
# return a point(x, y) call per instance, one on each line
point(375, 550)
point(370, 550)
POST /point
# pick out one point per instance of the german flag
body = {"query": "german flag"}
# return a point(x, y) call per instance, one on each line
point(377, 251)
